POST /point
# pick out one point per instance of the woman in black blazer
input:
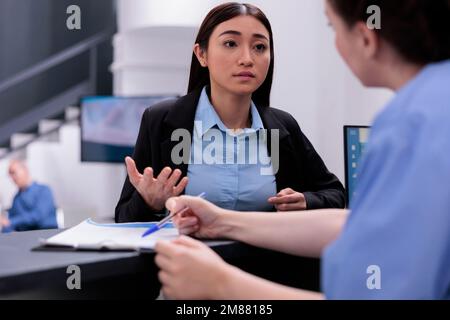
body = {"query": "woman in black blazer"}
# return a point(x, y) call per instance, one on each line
point(233, 61)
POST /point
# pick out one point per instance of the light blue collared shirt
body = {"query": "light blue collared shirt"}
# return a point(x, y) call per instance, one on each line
point(396, 243)
point(231, 168)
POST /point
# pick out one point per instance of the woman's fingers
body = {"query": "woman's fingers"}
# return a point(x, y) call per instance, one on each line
point(133, 173)
point(164, 278)
point(182, 215)
point(173, 179)
point(274, 200)
point(289, 207)
point(188, 242)
point(163, 262)
point(181, 186)
point(285, 192)
point(185, 225)
point(189, 230)
point(202, 209)
point(164, 175)
point(290, 201)
point(292, 198)
point(165, 248)
point(187, 222)
point(279, 198)
point(173, 205)
point(148, 176)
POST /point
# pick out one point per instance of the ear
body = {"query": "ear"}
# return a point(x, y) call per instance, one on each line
point(201, 55)
point(368, 39)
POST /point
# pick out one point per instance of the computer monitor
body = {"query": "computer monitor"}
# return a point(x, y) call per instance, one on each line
point(110, 125)
point(355, 139)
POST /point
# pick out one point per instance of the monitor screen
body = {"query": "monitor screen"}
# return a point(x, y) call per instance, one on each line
point(355, 139)
point(110, 125)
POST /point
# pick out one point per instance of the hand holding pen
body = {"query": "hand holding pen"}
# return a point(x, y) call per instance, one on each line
point(164, 221)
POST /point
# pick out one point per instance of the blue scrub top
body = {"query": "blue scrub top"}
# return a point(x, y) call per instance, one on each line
point(396, 242)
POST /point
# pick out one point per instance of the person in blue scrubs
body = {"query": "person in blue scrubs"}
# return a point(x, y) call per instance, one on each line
point(394, 242)
point(33, 206)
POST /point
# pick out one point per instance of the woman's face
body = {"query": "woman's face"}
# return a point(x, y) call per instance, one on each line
point(355, 44)
point(238, 55)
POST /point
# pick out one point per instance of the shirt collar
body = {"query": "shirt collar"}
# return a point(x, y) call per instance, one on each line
point(31, 185)
point(208, 117)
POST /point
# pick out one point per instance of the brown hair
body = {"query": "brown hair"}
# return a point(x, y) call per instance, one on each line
point(417, 29)
point(199, 76)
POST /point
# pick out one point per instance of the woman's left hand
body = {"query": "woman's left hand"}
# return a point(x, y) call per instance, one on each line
point(189, 269)
point(288, 200)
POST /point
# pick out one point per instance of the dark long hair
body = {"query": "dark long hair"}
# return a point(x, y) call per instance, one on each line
point(417, 29)
point(199, 76)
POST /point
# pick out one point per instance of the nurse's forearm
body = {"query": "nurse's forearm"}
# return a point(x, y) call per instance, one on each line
point(240, 285)
point(304, 233)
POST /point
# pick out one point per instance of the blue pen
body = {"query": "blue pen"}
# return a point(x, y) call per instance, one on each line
point(161, 224)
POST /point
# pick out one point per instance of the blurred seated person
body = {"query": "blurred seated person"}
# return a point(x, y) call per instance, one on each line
point(33, 206)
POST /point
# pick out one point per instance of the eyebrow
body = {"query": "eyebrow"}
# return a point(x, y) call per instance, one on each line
point(237, 33)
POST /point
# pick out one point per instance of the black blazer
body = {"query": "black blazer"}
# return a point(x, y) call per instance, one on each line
point(300, 167)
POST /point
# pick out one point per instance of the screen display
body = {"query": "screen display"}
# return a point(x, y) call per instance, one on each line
point(110, 126)
point(355, 140)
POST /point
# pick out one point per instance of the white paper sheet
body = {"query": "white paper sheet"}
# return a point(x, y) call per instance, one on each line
point(121, 236)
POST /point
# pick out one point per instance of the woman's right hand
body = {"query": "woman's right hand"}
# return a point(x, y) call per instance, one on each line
point(155, 192)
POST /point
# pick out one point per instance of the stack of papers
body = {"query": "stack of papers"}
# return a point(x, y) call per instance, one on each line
point(90, 235)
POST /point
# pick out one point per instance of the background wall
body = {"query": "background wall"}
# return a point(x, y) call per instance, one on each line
point(33, 30)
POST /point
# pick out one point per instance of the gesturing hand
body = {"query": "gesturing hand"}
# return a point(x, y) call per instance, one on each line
point(155, 192)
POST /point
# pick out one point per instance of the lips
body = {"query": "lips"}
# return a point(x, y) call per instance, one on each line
point(245, 74)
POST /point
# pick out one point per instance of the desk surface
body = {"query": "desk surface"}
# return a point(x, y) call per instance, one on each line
point(23, 269)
